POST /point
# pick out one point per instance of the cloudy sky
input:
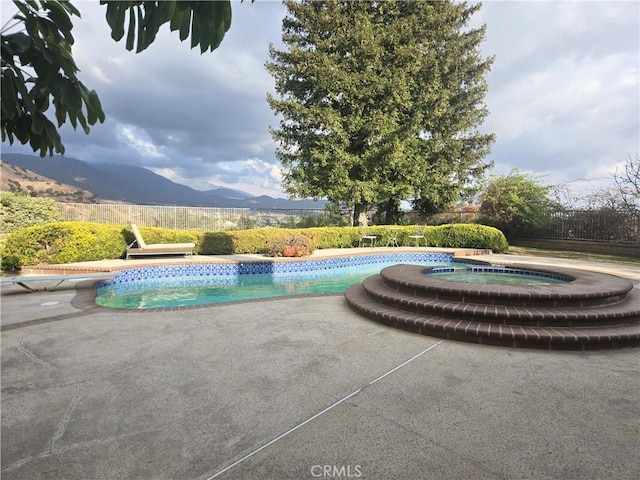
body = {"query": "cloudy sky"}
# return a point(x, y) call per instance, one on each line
point(563, 95)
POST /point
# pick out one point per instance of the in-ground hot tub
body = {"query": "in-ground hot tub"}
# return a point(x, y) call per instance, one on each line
point(573, 309)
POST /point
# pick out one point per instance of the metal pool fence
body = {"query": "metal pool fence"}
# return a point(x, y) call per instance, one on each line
point(598, 225)
point(605, 225)
point(206, 219)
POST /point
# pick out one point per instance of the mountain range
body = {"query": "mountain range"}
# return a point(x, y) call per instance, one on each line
point(112, 182)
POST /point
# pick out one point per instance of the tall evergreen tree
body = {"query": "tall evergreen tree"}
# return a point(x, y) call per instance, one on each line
point(380, 101)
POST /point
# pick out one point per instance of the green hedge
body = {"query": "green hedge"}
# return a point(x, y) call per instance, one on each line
point(254, 241)
point(67, 242)
point(62, 242)
point(467, 235)
point(257, 241)
point(70, 242)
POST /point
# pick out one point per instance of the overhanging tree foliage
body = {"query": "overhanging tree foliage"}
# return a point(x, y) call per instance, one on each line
point(515, 202)
point(380, 102)
point(38, 68)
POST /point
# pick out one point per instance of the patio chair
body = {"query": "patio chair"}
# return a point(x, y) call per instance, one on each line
point(364, 236)
point(393, 237)
point(144, 248)
point(419, 235)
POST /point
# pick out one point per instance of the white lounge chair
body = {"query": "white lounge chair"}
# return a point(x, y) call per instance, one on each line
point(156, 248)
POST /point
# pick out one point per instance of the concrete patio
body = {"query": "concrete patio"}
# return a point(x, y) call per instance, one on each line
point(300, 388)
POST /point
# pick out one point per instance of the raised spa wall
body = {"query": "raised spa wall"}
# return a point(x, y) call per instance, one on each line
point(592, 311)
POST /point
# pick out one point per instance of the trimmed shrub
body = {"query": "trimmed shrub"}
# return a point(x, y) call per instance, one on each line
point(333, 237)
point(62, 242)
point(466, 235)
point(216, 243)
point(291, 246)
point(258, 241)
point(10, 263)
point(66, 242)
point(19, 210)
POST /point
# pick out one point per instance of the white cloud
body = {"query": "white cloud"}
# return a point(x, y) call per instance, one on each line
point(241, 72)
point(169, 173)
point(139, 141)
point(581, 88)
point(254, 176)
point(98, 74)
point(563, 91)
point(262, 167)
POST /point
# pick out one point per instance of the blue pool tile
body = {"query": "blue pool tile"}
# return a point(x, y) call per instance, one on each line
point(270, 267)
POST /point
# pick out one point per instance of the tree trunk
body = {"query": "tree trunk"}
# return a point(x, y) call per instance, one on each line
point(358, 208)
point(392, 212)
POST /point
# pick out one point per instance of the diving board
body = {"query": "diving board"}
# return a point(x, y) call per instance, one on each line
point(25, 280)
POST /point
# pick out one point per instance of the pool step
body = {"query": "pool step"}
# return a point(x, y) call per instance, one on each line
point(626, 310)
point(594, 311)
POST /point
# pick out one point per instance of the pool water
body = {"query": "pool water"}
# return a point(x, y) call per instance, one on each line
point(497, 278)
point(503, 277)
point(203, 290)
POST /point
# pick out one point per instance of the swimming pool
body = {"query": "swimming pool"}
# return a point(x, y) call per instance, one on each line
point(190, 285)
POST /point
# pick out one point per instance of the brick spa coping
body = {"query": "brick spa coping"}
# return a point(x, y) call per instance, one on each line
point(583, 285)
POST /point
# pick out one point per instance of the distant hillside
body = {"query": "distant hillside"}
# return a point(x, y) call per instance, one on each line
point(131, 184)
point(19, 179)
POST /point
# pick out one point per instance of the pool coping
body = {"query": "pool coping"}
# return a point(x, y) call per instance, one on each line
point(115, 265)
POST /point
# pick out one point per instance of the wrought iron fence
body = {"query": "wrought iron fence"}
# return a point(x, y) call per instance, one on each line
point(599, 225)
point(206, 219)
point(450, 217)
